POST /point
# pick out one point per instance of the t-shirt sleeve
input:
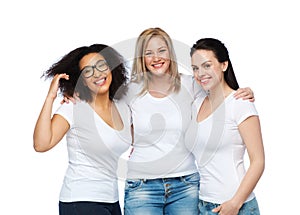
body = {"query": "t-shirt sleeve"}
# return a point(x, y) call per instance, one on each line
point(66, 111)
point(243, 109)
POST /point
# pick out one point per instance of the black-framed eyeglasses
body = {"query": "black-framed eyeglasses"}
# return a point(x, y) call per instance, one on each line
point(100, 65)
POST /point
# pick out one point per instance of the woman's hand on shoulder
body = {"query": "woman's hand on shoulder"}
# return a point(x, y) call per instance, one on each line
point(245, 93)
point(73, 99)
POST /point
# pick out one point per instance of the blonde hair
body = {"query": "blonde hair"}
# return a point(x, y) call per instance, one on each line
point(139, 71)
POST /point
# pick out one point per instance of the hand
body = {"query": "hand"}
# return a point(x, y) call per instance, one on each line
point(72, 99)
point(245, 93)
point(52, 93)
point(227, 208)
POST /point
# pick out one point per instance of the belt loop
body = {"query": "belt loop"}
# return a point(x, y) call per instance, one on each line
point(144, 180)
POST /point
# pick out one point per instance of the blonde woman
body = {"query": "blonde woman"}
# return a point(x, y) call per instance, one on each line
point(162, 175)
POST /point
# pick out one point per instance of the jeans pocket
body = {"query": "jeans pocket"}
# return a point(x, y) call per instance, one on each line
point(131, 185)
point(250, 208)
point(192, 178)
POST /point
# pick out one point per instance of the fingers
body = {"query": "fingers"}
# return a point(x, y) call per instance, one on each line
point(59, 76)
point(76, 97)
point(73, 100)
point(55, 84)
point(245, 93)
point(65, 100)
point(217, 209)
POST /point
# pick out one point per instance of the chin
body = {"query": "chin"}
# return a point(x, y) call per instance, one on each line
point(205, 88)
point(159, 73)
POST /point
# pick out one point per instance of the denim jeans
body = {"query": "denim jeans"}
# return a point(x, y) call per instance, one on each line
point(89, 208)
point(248, 208)
point(175, 196)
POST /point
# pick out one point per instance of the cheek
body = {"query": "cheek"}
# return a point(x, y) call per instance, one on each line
point(147, 60)
point(167, 62)
point(109, 79)
point(84, 82)
point(218, 76)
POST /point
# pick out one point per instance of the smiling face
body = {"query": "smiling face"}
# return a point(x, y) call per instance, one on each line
point(157, 57)
point(100, 81)
point(208, 71)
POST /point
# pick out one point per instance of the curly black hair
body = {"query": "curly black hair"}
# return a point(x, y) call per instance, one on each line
point(69, 64)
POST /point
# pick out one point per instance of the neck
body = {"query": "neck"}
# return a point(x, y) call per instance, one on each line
point(161, 84)
point(101, 101)
point(218, 94)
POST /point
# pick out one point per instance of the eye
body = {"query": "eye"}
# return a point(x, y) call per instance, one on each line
point(148, 54)
point(195, 69)
point(162, 50)
point(206, 66)
point(87, 71)
point(101, 66)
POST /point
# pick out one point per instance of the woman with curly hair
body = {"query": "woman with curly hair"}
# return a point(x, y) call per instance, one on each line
point(97, 129)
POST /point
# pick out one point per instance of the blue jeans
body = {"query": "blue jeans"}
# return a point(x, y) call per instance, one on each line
point(89, 208)
point(248, 208)
point(175, 196)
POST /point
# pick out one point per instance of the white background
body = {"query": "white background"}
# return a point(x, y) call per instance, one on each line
point(263, 41)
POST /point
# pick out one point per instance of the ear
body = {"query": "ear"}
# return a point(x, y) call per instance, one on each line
point(224, 66)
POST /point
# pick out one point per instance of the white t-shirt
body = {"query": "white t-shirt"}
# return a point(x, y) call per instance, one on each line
point(159, 131)
point(219, 148)
point(94, 149)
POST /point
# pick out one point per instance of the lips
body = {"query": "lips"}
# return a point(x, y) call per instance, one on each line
point(157, 65)
point(203, 80)
point(100, 81)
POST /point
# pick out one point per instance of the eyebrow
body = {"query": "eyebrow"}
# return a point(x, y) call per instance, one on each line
point(202, 63)
point(161, 47)
point(206, 62)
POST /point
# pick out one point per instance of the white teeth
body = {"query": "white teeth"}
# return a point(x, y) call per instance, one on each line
point(157, 65)
point(203, 80)
point(100, 81)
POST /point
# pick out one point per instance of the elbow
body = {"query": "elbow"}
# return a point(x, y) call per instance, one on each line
point(40, 147)
point(258, 165)
point(261, 166)
point(39, 150)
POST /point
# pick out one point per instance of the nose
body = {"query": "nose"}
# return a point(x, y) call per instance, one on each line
point(97, 73)
point(156, 56)
point(198, 72)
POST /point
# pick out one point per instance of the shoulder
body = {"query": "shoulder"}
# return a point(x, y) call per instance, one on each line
point(65, 107)
point(133, 85)
point(240, 103)
point(66, 111)
point(133, 90)
point(241, 109)
point(121, 103)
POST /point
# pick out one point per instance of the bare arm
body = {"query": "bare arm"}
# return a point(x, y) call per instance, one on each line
point(250, 131)
point(49, 131)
